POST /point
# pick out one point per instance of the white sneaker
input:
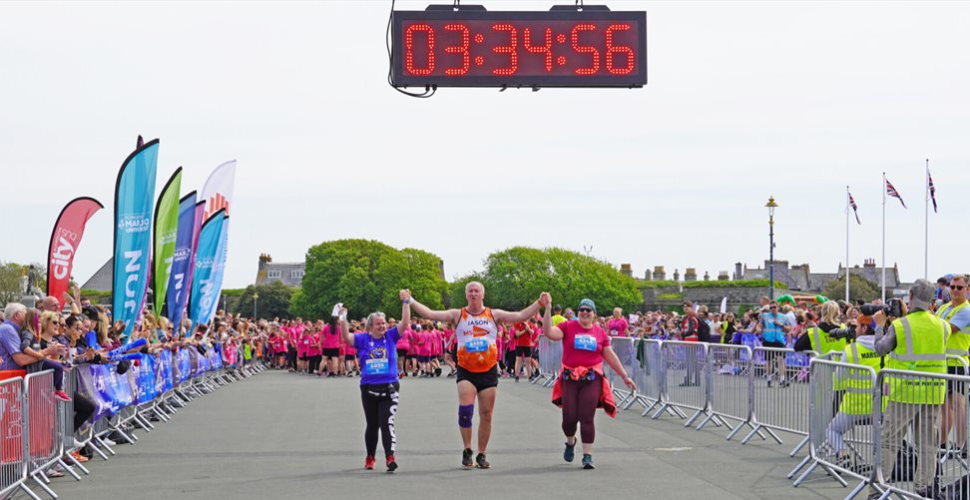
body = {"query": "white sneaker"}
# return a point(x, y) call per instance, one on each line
point(78, 444)
point(108, 442)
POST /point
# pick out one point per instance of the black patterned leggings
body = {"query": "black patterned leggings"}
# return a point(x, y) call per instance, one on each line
point(380, 406)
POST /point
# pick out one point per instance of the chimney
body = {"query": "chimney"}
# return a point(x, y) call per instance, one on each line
point(626, 270)
point(738, 271)
point(647, 275)
point(722, 276)
point(707, 276)
point(264, 258)
point(676, 275)
point(690, 274)
point(659, 274)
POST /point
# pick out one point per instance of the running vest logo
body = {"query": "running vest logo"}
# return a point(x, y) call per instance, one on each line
point(869, 355)
point(378, 353)
point(478, 331)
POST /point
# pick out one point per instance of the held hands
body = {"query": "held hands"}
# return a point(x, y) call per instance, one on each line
point(545, 299)
point(405, 295)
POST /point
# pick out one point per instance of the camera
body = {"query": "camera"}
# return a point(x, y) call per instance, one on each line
point(894, 308)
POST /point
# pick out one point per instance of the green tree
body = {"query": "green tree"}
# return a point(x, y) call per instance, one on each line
point(273, 302)
point(859, 289)
point(366, 275)
point(10, 288)
point(515, 277)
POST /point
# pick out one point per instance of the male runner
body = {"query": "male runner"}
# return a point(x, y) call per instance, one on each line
point(475, 330)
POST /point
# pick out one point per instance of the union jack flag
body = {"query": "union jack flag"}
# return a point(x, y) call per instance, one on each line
point(932, 190)
point(855, 208)
point(892, 193)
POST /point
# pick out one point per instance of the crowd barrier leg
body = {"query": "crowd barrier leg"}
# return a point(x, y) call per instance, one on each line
point(779, 391)
point(841, 414)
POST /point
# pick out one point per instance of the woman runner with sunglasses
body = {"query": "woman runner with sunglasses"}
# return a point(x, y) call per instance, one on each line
point(582, 387)
point(379, 383)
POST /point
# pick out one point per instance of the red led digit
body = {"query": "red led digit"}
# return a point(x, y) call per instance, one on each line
point(586, 49)
point(611, 49)
point(459, 49)
point(507, 49)
point(409, 47)
point(540, 49)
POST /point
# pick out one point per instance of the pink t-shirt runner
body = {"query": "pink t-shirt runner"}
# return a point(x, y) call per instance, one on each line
point(618, 327)
point(581, 346)
point(330, 340)
point(314, 348)
point(404, 342)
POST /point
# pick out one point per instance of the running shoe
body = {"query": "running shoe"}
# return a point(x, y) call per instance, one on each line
point(369, 462)
point(570, 452)
point(55, 471)
point(391, 464)
point(79, 457)
point(588, 461)
point(62, 396)
point(481, 462)
point(783, 384)
point(466, 457)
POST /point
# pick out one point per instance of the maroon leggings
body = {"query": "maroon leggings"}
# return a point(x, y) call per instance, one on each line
point(579, 400)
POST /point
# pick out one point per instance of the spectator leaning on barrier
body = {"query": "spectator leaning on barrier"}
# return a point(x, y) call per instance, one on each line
point(957, 314)
point(12, 356)
point(912, 402)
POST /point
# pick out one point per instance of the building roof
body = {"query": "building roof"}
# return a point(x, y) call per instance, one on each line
point(101, 280)
point(290, 273)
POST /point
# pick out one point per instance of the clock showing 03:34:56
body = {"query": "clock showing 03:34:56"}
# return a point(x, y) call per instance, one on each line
point(556, 48)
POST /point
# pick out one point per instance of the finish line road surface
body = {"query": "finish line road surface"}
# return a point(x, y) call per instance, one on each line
point(285, 436)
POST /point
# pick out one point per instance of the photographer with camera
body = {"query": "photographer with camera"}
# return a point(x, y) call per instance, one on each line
point(957, 314)
point(913, 341)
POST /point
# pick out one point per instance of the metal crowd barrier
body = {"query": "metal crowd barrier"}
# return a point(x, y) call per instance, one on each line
point(550, 361)
point(43, 429)
point(841, 422)
point(648, 373)
point(688, 379)
point(731, 367)
point(13, 442)
point(779, 389)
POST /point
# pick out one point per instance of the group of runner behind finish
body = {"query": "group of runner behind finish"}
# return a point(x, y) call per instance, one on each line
point(579, 391)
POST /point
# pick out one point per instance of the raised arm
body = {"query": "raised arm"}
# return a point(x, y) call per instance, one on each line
point(515, 317)
point(551, 332)
point(405, 323)
point(345, 327)
point(451, 315)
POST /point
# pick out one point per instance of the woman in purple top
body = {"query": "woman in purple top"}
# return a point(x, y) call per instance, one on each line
point(377, 354)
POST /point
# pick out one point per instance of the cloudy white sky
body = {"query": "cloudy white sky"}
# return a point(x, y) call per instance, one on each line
point(745, 100)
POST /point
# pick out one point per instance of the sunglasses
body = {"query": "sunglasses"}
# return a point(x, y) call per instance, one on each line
point(957, 287)
point(584, 310)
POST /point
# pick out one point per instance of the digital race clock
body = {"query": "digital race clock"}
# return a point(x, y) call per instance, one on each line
point(556, 48)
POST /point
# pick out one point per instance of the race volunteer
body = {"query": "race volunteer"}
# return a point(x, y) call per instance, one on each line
point(913, 401)
point(582, 387)
point(476, 329)
point(379, 384)
point(957, 314)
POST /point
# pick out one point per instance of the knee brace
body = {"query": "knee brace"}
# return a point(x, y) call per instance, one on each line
point(465, 413)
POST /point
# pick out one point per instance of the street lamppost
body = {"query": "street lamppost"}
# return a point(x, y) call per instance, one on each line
point(771, 252)
point(255, 298)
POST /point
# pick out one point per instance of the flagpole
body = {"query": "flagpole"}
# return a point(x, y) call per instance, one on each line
point(847, 207)
point(926, 225)
point(884, 237)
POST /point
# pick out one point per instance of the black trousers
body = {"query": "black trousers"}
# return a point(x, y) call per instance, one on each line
point(380, 406)
point(83, 409)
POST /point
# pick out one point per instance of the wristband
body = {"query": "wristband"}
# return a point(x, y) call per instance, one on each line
point(406, 301)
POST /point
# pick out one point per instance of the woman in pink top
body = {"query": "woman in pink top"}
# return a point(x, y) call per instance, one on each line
point(403, 346)
point(451, 344)
point(302, 344)
point(330, 340)
point(314, 351)
point(582, 387)
point(350, 354)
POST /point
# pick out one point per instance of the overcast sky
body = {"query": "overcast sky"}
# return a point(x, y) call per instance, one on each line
point(745, 100)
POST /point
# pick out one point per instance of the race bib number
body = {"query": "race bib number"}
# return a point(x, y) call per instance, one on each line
point(376, 367)
point(476, 345)
point(585, 343)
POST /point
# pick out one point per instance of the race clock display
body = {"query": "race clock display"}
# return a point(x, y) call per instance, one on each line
point(556, 48)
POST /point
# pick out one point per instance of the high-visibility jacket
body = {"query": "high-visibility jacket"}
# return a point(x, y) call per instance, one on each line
point(920, 347)
point(958, 344)
point(822, 343)
point(857, 384)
